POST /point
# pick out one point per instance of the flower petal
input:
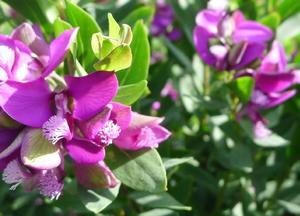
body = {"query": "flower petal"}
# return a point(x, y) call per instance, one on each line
point(91, 93)
point(58, 49)
point(252, 32)
point(121, 115)
point(37, 152)
point(278, 98)
point(27, 103)
point(274, 82)
point(84, 151)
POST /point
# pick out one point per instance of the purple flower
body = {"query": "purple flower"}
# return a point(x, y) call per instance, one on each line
point(25, 56)
point(143, 132)
point(273, 80)
point(228, 42)
point(155, 105)
point(170, 91)
point(163, 21)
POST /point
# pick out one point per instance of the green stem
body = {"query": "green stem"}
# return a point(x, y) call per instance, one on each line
point(220, 197)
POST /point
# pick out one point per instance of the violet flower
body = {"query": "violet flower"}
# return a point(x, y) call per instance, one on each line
point(228, 42)
point(25, 55)
point(273, 79)
point(163, 21)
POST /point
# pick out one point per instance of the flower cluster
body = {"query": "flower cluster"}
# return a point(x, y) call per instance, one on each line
point(41, 123)
point(162, 23)
point(228, 42)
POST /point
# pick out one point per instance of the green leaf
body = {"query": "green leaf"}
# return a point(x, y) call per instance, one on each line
point(159, 212)
point(271, 20)
point(41, 12)
point(88, 26)
point(172, 162)
point(128, 94)
point(141, 170)
point(293, 208)
point(120, 58)
point(140, 57)
point(59, 26)
point(144, 13)
point(243, 87)
point(161, 200)
point(288, 8)
point(114, 27)
point(97, 200)
point(273, 140)
point(287, 29)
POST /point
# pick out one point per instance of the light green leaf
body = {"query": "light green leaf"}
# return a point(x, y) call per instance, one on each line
point(161, 200)
point(60, 26)
point(88, 26)
point(288, 8)
point(159, 212)
point(287, 29)
point(114, 27)
point(271, 20)
point(120, 58)
point(243, 87)
point(141, 57)
point(141, 170)
point(128, 94)
point(172, 162)
point(97, 200)
point(293, 208)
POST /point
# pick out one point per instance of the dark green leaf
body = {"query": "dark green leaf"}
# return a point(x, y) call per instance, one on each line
point(141, 170)
point(144, 13)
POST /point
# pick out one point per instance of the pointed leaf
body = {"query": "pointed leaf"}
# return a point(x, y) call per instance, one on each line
point(120, 58)
point(97, 200)
point(114, 27)
point(141, 170)
point(128, 94)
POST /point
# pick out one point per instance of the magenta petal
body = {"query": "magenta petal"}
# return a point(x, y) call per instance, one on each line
point(27, 103)
point(252, 52)
point(31, 36)
point(275, 61)
point(252, 32)
point(121, 114)
point(58, 49)
point(278, 98)
point(161, 133)
point(6, 137)
point(95, 175)
point(91, 93)
point(274, 82)
point(84, 152)
point(91, 127)
point(209, 19)
point(201, 40)
point(260, 130)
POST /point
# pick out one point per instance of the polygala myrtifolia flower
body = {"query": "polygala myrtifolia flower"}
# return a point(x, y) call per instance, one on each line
point(272, 82)
point(162, 23)
point(79, 119)
point(25, 55)
point(228, 41)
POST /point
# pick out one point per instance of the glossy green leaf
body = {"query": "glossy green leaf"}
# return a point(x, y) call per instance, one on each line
point(293, 208)
point(161, 200)
point(128, 94)
point(59, 26)
point(159, 212)
point(140, 57)
point(144, 13)
point(41, 12)
point(172, 162)
point(114, 27)
point(97, 200)
point(120, 58)
point(141, 170)
point(271, 20)
point(288, 8)
point(88, 26)
point(243, 87)
point(287, 30)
